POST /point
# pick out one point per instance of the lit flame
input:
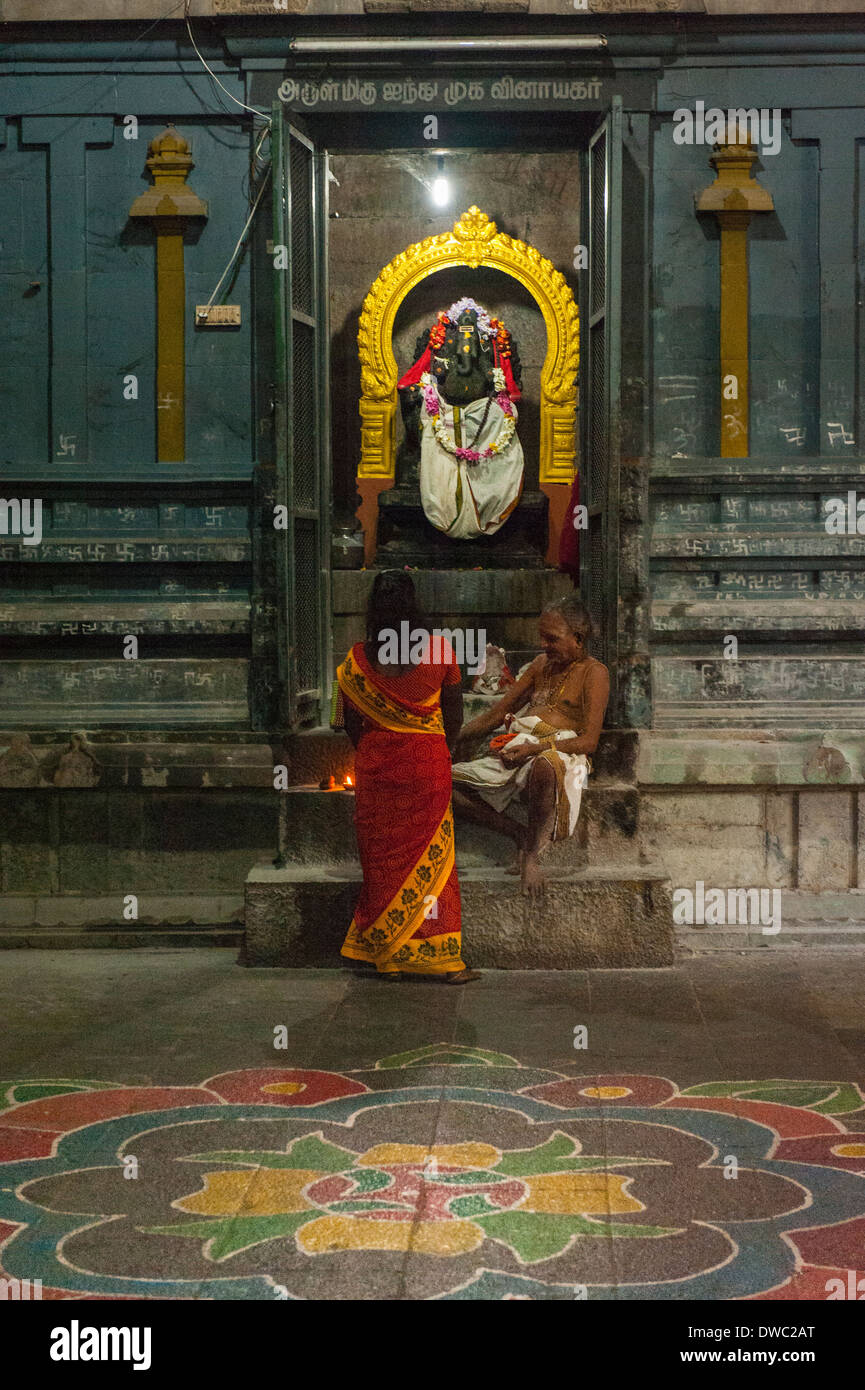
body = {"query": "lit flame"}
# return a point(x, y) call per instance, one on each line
point(348, 781)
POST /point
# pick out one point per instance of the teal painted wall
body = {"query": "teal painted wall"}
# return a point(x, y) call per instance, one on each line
point(118, 332)
point(805, 320)
point(24, 306)
point(161, 551)
point(784, 302)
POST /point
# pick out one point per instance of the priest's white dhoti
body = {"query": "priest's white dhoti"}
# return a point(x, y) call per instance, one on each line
point(499, 784)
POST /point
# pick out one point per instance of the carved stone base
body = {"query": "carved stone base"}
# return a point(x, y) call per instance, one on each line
point(405, 537)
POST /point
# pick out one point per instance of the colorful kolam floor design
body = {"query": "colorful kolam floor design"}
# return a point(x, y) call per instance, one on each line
point(446, 1172)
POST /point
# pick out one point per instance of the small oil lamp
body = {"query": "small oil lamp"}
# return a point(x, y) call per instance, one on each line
point(348, 783)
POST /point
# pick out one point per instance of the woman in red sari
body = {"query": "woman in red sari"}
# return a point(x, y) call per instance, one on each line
point(403, 720)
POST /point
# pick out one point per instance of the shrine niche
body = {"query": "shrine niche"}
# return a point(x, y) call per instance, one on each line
point(474, 242)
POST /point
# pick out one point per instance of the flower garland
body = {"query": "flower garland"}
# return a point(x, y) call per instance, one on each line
point(432, 402)
point(503, 337)
point(439, 330)
point(487, 327)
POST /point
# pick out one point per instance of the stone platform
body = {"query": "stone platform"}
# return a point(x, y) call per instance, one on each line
point(588, 918)
point(319, 831)
point(406, 537)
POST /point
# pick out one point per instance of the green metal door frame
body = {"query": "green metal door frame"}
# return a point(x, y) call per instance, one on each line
point(303, 468)
point(600, 393)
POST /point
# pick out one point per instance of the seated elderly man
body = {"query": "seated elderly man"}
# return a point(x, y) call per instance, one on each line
point(552, 717)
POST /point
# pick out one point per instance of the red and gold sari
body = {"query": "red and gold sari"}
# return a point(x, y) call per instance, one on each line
point(408, 915)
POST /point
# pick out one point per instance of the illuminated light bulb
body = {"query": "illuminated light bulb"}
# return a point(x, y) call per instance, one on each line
point(441, 192)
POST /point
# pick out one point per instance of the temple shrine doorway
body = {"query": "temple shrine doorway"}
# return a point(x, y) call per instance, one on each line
point(350, 193)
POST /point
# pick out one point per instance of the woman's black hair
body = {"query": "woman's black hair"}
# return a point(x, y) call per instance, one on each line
point(392, 601)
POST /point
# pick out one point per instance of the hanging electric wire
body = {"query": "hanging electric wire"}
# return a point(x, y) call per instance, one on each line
point(266, 130)
point(236, 252)
point(254, 109)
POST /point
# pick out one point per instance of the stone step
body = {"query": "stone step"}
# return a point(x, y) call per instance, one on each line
point(168, 692)
point(804, 919)
point(800, 684)
point(319, 828)
point(787, 717)
point(750, 757)
point(39, 617)
point(463, 591)
point(794, 934)
point(808, 473)
point(406, 537)
point(156, 911)
point(586, 919)
point(758, 619)
point(119, 937)
point(741, 541)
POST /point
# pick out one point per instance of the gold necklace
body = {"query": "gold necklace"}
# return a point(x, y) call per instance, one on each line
point(546, 696)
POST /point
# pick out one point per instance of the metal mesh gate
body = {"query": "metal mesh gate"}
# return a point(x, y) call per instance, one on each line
point(302, 453)
point(302, 250)
point(599, 578)
point(305, 471)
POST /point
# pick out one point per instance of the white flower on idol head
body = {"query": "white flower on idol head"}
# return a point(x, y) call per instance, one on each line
point(484, 326)
point(499, 379)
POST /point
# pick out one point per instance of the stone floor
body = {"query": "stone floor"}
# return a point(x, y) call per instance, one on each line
point(172, 1125)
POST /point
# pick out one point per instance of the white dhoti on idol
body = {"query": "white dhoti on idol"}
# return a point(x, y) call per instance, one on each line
point(499, 784)
point(469, 499)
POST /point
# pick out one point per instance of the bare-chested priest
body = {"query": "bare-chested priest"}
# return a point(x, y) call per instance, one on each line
point(542, 757)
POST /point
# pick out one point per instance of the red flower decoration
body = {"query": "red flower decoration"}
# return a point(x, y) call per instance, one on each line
point(282, 1086)
point(614, 1089)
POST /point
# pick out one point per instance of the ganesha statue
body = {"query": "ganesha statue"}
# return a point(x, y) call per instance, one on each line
point(459, 402)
